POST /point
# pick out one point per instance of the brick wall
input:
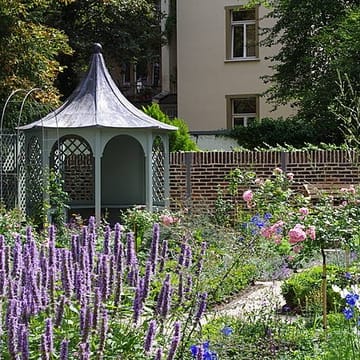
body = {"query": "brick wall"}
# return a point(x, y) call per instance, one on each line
point(195, 176)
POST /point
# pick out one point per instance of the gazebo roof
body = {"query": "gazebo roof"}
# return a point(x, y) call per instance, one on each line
point(97, 102)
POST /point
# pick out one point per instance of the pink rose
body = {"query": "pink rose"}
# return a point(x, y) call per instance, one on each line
point(278, 171)
point(248, 195)
point(290, 176)
point(310, 231)
point(304, 211)
point(297, 234)
point(168, 220)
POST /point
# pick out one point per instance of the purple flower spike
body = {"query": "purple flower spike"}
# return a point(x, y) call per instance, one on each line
point(181, 288)
point(147, 279)
point(202, 307)
point(24, 342)
point(137, 304)
point(155, 246)
point(175, 341)
point(130, 253)
point(103, 331)
point(187, 256)
point(84, 351)
point(200, 262)
point(59, 311)
point(158, 355)
point(117, 238)
point(49, 336)
point(164, 252)
point(64, 350)
point(106, 246)
point(150, 336)
point(162, 294)
point(97, 302)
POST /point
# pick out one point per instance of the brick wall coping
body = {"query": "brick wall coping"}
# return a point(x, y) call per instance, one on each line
point(265, 157)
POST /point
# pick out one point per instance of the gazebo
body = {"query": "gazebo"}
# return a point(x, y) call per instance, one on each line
point(110, 154)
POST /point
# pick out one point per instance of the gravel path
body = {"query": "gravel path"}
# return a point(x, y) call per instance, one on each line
point(260, 295)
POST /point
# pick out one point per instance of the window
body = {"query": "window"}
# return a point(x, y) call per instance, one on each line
point(242, 110)
point(241, 34)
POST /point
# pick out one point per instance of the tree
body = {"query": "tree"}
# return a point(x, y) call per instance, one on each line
point(129, 31)
point(28, 55)
point(318, 39)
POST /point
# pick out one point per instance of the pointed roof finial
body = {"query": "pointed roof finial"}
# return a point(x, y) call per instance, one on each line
point(97, 48)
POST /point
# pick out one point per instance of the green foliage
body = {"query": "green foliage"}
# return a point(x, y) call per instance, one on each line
point(302, 291)
point(317, 40)
point(292, 132)
point(11, 223)
point(180, 139)
point(29, 53)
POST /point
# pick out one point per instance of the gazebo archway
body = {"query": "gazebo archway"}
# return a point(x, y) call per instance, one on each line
point(123, 173)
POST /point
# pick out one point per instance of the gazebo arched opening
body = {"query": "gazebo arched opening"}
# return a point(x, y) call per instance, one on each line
point(122, 175)
point(71, 157)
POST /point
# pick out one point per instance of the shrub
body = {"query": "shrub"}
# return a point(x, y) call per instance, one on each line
point(302, 291)
point(180, 139)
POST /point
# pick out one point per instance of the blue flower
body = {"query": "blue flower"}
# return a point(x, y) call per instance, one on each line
point(227, 330)
point(351, 299)
point(267, 216)
point(348, 313)
point(347, 276)
point(194, 350)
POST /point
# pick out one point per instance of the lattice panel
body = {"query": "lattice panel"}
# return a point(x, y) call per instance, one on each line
point(158, 170)
point(21, 174)
point(34, 176)
point(73, 158)
point(10, 169)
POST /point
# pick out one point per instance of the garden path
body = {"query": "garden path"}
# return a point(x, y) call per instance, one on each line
point(264, 295)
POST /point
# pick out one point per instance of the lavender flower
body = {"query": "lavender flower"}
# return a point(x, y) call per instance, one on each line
point(155, 246)
point(103, 331)
point(181, 288)
point(162, 294)
point(202, 307)
point(49, 343)
point(200, 262)
point(163, 259)
point(130, 253)
point(59, 311)
point(175, 341)
point(187, 256)
point(117, 237)
point(12, 329)
point(24, 342)
point(17, 258)
point(137, 304)
point(84, 351)
point(104, 277)
point(150, 336)
point(44, 351)
point(188, 287)
point(147, 279)
point(118, 289)
point(106, 245)
point(64, 349)
point(97, 301)
point(158, 355)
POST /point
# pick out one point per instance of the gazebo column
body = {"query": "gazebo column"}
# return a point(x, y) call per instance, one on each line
point(97, 156)
point(166, 171)
point(149, 175)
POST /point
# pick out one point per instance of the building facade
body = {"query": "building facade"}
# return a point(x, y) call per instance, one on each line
point(214, 64)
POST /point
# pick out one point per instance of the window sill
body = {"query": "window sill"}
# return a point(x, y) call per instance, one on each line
point(241, 60)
